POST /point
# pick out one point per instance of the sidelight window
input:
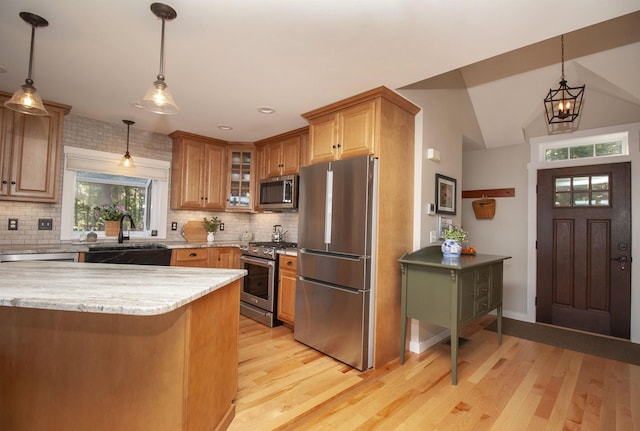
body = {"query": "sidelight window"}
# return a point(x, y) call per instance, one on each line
point(582, 191)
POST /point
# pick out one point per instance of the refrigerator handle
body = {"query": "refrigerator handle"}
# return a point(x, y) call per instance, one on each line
point(328, 208)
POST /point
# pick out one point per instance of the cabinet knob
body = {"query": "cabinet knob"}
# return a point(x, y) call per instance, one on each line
point(4, 181)
point(289, 263)
point(13, 183)
point(339, 145)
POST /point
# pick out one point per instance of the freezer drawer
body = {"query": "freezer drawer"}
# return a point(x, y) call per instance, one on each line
point(351, 271)
point(334, 321)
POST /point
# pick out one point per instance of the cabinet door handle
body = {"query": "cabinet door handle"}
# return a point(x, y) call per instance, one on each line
point(13, 183)
point(4, 181)
point(289, 263)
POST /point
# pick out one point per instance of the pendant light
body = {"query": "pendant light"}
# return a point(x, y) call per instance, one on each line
point(159, 99)
point(563, 104)
point(27, 99)
point(127, 161)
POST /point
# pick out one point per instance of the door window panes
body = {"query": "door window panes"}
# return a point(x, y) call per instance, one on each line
point(582, 191)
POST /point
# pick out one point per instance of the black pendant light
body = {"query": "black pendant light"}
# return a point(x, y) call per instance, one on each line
point(159, 99)
point(27, 99)
point(127, 161)
point(563, 104)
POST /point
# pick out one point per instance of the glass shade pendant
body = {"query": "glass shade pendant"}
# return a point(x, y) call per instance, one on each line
point(159, 99)
point(27, 99)
point(563, 104)
point(127, 160)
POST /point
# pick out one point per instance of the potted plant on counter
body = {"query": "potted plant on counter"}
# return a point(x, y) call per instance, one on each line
point(453, 239)
point(110, 215)
point(211, 226)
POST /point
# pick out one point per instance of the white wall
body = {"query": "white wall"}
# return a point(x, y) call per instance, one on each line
point(506, 233)
point(435, 131)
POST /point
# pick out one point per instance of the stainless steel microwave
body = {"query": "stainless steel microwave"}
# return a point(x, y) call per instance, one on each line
point(279, 193)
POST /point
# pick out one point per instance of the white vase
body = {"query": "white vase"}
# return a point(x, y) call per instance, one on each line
point(209, 236)
point(451, 248)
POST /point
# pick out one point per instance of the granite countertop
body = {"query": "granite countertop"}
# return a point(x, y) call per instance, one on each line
point(85, 246)
point(140, 290)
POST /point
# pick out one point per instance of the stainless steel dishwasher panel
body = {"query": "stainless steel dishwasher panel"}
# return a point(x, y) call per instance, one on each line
point(62, 257)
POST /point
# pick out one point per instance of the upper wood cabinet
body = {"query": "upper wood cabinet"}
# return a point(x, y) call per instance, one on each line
point(198, 172)
point(353, 127)
point(241, 177)
point(30, 153)
point(282, 153)
point(343, 134)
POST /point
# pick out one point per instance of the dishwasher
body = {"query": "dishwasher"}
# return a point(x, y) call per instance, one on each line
point(61, 257)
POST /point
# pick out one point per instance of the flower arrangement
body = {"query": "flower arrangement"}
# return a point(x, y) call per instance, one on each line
point(454, 233)
point(108, 212)
point(211, 225)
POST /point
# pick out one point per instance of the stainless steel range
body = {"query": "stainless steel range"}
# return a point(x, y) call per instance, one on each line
point(258, 299)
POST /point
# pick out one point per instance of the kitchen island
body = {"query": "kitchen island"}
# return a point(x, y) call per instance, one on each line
point(126, 347)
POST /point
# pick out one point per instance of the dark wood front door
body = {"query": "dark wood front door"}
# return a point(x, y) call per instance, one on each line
point(584, 248)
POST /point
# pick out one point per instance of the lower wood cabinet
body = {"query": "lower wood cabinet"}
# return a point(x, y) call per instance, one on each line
point(287, 288)
point(208, 257)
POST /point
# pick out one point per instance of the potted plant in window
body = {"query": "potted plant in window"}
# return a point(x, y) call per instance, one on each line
point(453, 239)
point(110, 215)
point(211, 226)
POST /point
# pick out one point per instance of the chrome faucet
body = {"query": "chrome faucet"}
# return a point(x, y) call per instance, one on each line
point(121, 236)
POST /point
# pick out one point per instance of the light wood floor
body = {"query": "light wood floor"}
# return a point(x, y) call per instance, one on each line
point(520, 385)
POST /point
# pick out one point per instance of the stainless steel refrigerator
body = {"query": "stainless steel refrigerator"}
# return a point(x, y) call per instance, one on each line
point(336, 240)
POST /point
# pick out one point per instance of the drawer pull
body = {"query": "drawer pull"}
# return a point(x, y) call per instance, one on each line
point(193, 254)
point(289, 263)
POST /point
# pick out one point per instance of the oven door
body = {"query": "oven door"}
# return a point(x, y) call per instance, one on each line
point(258, 286)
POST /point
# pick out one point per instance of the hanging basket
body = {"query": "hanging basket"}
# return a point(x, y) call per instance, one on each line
point(484, 208)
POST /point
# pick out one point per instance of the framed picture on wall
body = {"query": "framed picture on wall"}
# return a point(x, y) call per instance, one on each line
point(445, 195)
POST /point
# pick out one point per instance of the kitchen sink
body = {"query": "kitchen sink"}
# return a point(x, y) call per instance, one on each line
point(135, 254)
point(120, 247)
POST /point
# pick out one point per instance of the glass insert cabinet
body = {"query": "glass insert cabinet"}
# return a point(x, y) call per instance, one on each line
point(240, 178)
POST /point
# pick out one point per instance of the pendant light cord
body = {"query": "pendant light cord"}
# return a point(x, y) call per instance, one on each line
point(33, 33)
point(161, 74)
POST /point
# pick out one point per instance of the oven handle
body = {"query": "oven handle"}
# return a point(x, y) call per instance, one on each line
point(258, 261)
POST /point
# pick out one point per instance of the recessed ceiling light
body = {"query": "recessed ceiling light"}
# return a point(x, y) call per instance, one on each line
point(225, 127)
point(266, 110)
point(136, 104)
point(3, 70)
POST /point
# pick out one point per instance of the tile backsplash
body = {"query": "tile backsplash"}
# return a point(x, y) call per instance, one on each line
point(97, 135)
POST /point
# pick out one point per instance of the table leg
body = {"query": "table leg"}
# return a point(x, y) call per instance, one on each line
point(500, 323)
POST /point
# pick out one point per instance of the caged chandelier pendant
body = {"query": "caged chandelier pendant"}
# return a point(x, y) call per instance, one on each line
point(159, 99)
point(563, 104)
point(27, 99)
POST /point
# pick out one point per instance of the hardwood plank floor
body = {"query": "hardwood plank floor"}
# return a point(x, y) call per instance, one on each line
point(520, 385)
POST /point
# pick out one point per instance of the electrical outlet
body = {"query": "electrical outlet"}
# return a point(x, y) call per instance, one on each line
point(45, 224)
point(221, 227)
point(174, 225)
point(13, 224)
point(433, 236)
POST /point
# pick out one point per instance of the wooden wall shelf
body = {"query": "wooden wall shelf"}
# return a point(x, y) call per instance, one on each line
point(489, 193)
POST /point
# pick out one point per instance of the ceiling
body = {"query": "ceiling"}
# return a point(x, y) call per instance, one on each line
point(224, 60)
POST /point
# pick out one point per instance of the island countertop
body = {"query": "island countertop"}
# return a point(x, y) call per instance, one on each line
point(140, 290)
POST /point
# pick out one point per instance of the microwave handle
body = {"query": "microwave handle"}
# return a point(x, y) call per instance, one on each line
point(287, 191)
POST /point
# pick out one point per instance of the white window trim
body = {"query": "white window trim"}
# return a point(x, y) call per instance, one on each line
point(544, 145)
point(76, 159)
